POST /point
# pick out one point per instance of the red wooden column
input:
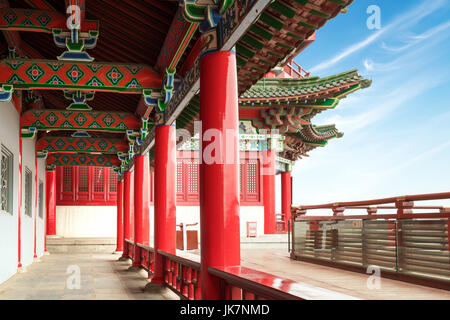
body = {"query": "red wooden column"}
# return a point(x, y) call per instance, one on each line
point(127, 208)
point(50, 200)
point(269, 191)
point(19, 216)
point(165, 208)
point(141, 204)
point(219, 180)
point(119, 247)
point(286, 196)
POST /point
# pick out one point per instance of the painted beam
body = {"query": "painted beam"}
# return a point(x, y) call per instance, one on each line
point(80, 160)
point(234, 24)
point(177, 39)
point(38, 20)
point(79, 120)
point(69, 75)
point(52, 145)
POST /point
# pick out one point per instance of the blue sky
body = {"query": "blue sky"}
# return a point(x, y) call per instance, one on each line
point(396, 133)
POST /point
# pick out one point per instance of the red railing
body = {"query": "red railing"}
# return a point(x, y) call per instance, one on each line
point(240, 283)
point(403, 204)
point(293, 69)
point(147, 258)
point(280, 222)
point(128, 248)
point(407, 244)
point(182, 276)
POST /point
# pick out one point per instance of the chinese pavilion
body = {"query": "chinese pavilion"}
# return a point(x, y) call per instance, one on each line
point(91, 95)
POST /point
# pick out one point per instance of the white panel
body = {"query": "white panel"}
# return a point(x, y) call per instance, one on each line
point(188, 214)
point(86, 221)
point(9, 136)
point(27, 222)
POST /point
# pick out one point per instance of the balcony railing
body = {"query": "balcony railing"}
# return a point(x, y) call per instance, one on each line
point(182, 274)
point(408, 243)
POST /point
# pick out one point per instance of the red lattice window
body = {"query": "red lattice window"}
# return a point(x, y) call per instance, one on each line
point(180, 177)
point(249, 181)
point(67, 179)
point(83, 179)
point(193, 177)
point(99, 180)
point(252, 177)
point(112, 181)
point(84, 186)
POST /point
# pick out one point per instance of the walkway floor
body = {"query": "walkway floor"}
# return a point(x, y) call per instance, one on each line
point(103, 277)
point(277, 262)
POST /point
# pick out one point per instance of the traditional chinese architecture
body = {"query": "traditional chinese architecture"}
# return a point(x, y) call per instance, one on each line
point(91, 95)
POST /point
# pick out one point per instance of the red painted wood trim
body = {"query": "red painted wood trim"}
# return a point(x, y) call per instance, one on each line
point(19, 216)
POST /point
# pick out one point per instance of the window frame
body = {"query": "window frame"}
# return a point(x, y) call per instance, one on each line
point(4, 151)
point(41, 199)
point(28, 204)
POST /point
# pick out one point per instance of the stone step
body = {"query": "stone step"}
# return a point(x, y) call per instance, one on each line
point(80, 245)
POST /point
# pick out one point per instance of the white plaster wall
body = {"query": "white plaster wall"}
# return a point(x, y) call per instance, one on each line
point(252, 214)
point(191, 214)
point(27, 222)
point(40, 224)
point(86, 221)
point(9, 136)
point(152, 226)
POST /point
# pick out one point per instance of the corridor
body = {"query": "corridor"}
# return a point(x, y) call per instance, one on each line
point(102, 277)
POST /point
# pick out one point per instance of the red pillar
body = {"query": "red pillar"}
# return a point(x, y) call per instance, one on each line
point(269, 191)
point(286, 196)
point(165, 208)
point(119, 247)
point(141, 204)
point(219, 188)
point(50, 201)
point(19, 264)
point(127, 209)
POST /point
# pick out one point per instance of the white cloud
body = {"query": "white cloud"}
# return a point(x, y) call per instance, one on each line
point(402, 22)
point(368, 64)
point(414, 40)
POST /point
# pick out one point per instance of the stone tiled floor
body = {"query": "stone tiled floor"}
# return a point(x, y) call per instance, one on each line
point(102, 278)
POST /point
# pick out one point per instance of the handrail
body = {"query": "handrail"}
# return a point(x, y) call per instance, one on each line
point(419, 197)
point(182, 276)
point(193, 264)
point(432, 215)
point(143, 246)
point(243, 283)
point(412, 246)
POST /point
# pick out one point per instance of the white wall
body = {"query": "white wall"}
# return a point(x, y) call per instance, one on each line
point(40, 224)
point(86, 221)
point(191, 214)
point(9, 137)
point(27, 222)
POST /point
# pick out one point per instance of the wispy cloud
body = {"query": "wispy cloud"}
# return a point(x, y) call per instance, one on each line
point(404, 21)
point(414, 40)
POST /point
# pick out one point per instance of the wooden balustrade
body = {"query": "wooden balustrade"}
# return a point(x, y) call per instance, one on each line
point(182, 276)
point(128, 248)
point(147, 258)
point(405, 244)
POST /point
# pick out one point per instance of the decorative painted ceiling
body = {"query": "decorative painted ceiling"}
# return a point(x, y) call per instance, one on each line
point(129, 56)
